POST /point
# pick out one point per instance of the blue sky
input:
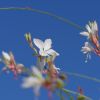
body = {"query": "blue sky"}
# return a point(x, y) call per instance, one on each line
point(66, 40)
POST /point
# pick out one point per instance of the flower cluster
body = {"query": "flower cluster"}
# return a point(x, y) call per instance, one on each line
point(45, 73)
point(92, 45)
point(10, 64)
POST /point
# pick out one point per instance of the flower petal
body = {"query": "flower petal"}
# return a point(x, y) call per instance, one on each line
point(6, 56)
point(95, 25)
point(39, 43)
point(86, 48)
point(88, 28)
point(85, 34)
point(47, 44)
point(36, 89)
point(52, 52)
point(29, 82)
point(36, 72)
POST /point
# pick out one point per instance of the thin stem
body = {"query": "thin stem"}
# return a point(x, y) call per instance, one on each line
point(34, 49)
point(46, 13)
point(75, 93)
point(61, 96)
point(68, 94)
point(83, 76)
point(71, 97)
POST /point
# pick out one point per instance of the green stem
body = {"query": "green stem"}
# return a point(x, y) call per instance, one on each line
point(45, 13)
point(71, 97)
point(75, 93)
point(83, 76)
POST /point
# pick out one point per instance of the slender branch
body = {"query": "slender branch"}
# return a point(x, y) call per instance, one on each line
point(68, 94)
point(76, 93)
point(45, 13)
point(83, 76)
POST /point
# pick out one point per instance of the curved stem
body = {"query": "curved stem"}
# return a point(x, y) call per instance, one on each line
point(75, 93)
point(83, 76)
point(68, 93)
point(45, 13)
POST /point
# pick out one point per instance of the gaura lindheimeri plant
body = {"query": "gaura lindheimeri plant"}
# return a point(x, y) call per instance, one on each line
point(93, 44)
point(44, 74)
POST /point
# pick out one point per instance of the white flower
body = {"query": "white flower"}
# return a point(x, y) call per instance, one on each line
point(86, 49)
point(45, 47)
point(92, 29)
point(34, 81)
